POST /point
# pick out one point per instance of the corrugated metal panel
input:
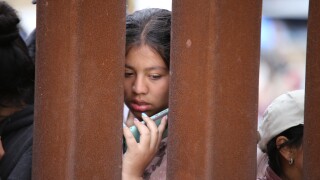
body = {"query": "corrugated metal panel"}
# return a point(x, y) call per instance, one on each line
point(79, 85)
point(214, 89)
point(311, 146)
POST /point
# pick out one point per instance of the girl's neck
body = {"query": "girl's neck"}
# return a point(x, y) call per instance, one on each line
point(291, 173)
point(130, 119)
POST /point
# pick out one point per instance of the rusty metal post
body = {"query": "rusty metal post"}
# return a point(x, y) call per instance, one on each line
point(311, 146)
point(214, 89)
point(79, 89)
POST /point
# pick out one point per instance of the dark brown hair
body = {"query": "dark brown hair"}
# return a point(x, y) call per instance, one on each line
point(150, 27)
point(16, 67)
point(294, 135)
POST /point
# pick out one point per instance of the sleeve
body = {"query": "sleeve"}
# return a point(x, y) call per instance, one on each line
point(23, 168)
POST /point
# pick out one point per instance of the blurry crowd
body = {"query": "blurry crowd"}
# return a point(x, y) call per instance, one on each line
point(283, 58)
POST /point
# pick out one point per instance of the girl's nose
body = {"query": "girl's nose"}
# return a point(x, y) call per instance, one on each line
point(140, 86)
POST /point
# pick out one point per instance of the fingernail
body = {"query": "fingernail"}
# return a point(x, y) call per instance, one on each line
point(124, 125)
point(144, 115)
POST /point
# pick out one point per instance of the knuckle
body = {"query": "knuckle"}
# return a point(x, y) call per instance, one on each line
point(147, 133)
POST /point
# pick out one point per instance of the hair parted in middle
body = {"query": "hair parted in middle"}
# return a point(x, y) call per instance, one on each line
point(151, 27)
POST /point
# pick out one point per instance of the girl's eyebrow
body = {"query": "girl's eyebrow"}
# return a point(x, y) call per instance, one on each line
point(156, 67)
point(149, 68)
point(128, 66)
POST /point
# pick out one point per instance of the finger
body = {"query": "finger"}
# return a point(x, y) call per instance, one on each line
point(144, 133)
point(150, 123)
point(163, 125)
point(162, 128)
point(154, 132)
point(130, 140)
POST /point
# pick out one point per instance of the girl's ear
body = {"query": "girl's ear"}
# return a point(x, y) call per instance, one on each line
point(285, 151)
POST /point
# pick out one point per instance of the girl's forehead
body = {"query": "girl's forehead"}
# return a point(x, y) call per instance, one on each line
point(143, 55)
point(143, 50)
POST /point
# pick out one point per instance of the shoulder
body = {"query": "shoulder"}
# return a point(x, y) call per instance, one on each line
point(22, 170)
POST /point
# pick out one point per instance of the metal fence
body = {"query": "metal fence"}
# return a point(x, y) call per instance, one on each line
point(213, 90)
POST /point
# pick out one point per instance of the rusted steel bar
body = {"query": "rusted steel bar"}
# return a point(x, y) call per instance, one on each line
point(311, 146)
point(214, 89)
point(79, 89)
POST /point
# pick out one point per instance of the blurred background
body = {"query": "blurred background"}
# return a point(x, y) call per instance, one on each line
point(27, 13)
point(283, 41)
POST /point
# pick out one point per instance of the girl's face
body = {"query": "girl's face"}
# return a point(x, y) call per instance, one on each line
point(146, 84)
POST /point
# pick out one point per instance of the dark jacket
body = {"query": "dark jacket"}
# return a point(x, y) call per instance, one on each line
point(16, 134)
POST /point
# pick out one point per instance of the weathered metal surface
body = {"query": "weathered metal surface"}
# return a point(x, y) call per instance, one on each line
point(311, 145)
point(79, 89)
point(214, 89)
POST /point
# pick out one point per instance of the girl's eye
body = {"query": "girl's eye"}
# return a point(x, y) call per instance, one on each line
point(155, 76)
point(128, 74)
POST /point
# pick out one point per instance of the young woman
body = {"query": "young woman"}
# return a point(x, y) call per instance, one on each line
point(281, 134)
point(146, 91)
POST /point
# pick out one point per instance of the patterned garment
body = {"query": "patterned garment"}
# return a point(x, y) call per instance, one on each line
point(157, 169)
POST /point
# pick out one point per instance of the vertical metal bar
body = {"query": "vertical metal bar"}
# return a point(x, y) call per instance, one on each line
point(311, 147)
point(79, 89)
point(214, 89)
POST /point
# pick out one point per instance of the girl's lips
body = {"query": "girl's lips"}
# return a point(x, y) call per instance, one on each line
point(140, 107)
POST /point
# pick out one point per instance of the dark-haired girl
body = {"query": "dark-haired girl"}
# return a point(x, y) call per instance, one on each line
point(146, 91)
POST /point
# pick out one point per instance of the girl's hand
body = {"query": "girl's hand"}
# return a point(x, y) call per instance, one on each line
point(1, 149)
point(139, 155)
